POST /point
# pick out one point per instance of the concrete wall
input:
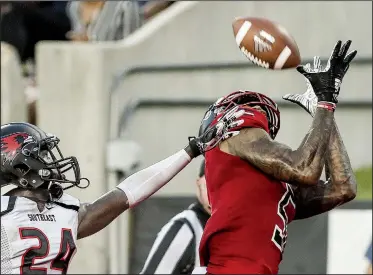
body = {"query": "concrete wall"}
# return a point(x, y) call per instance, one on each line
point(76, 109)
point(75, 81)
point(13, 100)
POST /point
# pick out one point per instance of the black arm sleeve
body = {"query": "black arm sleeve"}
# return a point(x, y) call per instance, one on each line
point(173, 251)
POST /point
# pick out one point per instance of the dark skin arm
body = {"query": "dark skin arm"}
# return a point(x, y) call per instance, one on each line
point(97, 215)
point(302, 166)
point(339, 188)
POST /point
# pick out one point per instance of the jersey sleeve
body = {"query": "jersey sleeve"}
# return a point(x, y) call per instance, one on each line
point(173, 251)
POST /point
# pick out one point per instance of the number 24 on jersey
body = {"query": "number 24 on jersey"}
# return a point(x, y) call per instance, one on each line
point(40, 252)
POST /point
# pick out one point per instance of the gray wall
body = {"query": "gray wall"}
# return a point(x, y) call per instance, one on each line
point(13, 99)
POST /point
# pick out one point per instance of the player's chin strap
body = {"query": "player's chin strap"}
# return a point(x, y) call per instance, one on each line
point(55, 191)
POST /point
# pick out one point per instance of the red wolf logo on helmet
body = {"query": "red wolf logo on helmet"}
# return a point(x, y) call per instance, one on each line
point(12, 144)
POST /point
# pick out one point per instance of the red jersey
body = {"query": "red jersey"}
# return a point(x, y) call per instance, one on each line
point(247, 231)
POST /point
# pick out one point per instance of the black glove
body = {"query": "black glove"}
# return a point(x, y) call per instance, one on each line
point(326, 82)
point(216, 133)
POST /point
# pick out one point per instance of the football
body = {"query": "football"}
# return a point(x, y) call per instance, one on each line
point(266, 43)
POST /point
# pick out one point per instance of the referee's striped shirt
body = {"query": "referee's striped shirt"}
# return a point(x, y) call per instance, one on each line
point(175, 250)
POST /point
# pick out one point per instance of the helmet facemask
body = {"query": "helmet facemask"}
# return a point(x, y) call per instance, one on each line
point(56, 167)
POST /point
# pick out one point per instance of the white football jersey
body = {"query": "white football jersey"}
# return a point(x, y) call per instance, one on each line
point(34, 242)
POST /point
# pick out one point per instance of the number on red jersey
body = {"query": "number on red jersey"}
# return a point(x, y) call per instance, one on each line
point(280, 233)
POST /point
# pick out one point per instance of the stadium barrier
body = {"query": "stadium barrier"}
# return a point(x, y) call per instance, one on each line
point(13, 99)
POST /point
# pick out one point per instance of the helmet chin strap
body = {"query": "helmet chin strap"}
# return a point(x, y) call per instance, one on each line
point(55, 191)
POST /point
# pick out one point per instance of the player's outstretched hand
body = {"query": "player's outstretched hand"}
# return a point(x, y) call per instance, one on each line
point(308, 100)
point(215, 134)
point(326, 82)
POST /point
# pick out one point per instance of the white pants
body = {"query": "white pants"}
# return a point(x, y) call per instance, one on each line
point(200, 270)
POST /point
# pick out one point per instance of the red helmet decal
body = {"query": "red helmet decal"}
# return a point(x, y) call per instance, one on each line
point(11, 144)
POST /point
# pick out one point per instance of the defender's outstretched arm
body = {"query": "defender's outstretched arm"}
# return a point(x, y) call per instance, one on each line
point(96, 215)
point(136, 188)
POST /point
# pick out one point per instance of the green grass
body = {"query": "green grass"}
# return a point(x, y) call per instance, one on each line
point(364, 183)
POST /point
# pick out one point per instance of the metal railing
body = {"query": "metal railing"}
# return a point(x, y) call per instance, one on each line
point(164, 68)
point(132, 107)
point(129, 110)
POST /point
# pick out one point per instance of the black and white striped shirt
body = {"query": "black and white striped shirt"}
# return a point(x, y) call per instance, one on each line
point(175, 250)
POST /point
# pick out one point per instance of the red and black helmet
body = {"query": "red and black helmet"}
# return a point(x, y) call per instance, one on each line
point(243, 98)
point(28, 160)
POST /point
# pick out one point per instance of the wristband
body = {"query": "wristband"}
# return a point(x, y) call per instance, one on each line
point(327, 105)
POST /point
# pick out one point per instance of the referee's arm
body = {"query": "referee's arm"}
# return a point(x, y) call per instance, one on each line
point(173, 251)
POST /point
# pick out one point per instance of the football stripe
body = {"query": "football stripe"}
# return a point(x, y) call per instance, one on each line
point(242, 32)
point(282, 58)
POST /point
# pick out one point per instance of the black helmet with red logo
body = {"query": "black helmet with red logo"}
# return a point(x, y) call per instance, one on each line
point(243, 98)
point(28, 161)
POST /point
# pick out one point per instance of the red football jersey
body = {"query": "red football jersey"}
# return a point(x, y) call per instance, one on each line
point(247, 231)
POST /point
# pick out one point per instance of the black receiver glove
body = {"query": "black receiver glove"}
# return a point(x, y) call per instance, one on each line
point(326, 82)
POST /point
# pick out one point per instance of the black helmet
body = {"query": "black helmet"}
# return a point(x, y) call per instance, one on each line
point(247, 98)
point(28, 161)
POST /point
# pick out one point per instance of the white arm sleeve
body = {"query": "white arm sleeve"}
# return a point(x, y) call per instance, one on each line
point(146, 182)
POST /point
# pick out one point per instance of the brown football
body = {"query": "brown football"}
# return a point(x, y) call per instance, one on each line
point(266, 43)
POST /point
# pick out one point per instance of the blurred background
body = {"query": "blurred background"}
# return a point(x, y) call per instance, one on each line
point(124, 83)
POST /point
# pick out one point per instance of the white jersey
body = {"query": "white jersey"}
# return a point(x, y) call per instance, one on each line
point(34, 242)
